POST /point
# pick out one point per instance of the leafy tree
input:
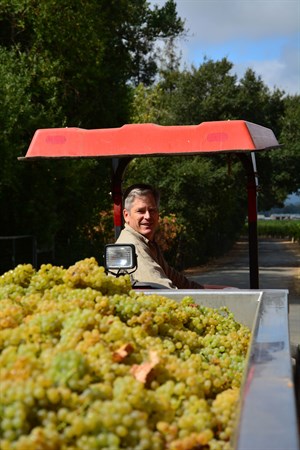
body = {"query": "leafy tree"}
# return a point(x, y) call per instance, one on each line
point(203, 196)
point(66, 63)
point(286, 160)
point(95, 53)
point(258, 104)
point(19, 116)
point(208, 201)
point(201, 94)
point(148, 105)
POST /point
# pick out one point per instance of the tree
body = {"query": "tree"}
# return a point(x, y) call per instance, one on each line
point(93, 55)
point(203, 196)
point(204, 192)
point(202, 94)
point(278, 169)
point(286, 160)
point(66, 63)
point(258, 104)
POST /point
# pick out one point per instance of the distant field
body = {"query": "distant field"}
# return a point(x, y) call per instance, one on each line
point(279, 228)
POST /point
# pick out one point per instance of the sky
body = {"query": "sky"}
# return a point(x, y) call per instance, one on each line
point(263, 35)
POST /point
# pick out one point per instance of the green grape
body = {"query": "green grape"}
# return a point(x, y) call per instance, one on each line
point(224, 408)
point(11, 291)
point(87, 273)
point(47, 277)
point(20, 276)
point(88, 363)
point(68, 369)
point(11, 313)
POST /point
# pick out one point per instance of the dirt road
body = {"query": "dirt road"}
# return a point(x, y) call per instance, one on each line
point(279, 268)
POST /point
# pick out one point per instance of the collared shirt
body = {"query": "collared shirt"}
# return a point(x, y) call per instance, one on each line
point(151, 265)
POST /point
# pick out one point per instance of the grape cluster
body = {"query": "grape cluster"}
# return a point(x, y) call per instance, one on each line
point(87, 363)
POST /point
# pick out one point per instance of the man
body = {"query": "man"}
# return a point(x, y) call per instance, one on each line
point(141, 216)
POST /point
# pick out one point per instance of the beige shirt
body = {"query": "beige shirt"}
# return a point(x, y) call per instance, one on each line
point(151, 265)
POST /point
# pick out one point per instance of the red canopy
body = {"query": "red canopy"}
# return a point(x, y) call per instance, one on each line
point(149, 139)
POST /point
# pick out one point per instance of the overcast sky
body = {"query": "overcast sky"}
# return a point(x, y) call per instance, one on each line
point(261, 34)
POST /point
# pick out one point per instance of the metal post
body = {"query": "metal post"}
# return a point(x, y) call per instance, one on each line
point(252, 182)
point(118, 168)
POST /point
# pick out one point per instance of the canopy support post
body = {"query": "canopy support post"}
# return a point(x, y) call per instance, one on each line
point(118, 168)
point(249, 164)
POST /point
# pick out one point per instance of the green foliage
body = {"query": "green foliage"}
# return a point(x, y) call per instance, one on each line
point(279, 229)
point(96, 47)
point(210, 204)
point(202, 193)
point(257, 104)
point(66, 63)
point(19, 115)
point(286, 161)
point(41, 198)
point(278, 170)
point(204, 93)
point(189, 97)
point(148, 105)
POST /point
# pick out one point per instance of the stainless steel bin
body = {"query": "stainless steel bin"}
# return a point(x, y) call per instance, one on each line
point(267, 419)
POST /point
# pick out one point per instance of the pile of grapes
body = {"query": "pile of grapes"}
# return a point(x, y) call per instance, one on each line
point(87, 363)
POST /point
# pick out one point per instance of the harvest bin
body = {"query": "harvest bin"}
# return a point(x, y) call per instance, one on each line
point(267, 419)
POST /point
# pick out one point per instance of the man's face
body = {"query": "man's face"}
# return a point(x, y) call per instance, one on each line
point(143, 216)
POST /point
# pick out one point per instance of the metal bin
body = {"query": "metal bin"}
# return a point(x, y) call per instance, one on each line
point(267, 418)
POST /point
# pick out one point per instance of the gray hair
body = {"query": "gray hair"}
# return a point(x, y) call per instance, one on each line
point(139, 190)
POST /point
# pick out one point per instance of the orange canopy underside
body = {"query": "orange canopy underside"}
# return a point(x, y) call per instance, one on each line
point(150, 139)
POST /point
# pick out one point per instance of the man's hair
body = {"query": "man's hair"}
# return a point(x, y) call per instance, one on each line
point(139, 190)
